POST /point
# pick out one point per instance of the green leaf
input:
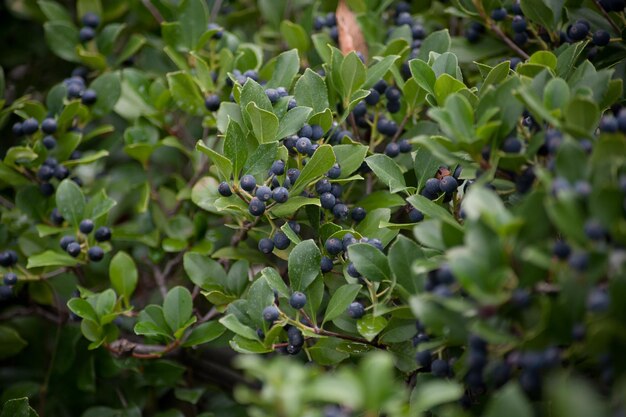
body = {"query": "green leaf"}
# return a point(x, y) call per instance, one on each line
point(402, 253)
point(293, 121)
point(425, 166)
point(123, 275)
point(388, 171)
point(582, 116)
point(108, 88)
point(83, 309)
point(556, 94)
point(252, 92)
point(341, 299)
point(370, 262)
point(539, 11)
point(264, 123)
point(304, 265)
point(204, 333)
point(223, 164)
point(545, 58)
point(17, 407)
point(295, 35)
point(70, 201)
point(286, 69)
point(292, 205)
point(434, 210)
point(88, 6)
point(231, 322)
point(260, 161)
point(509, 401)
point(322, 160)
point(11, 343)
point(203, 271)
point(51, 258)
point(275, 281)
point(185, 92)
point(369, 326)
point(177, 307)
point(62, 38)
point(438, 41)
point(445, 86)
point(423, 75)
point(349, 157)
point(431, 394)
point(310, 91)
point(353, 74)
point(235, 148)
point(98, 206)
point(378, 71)
point(54, 11)
point(193, 17)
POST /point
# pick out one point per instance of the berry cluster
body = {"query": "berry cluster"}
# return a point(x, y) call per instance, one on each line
point(90, 21)
point(75, 245)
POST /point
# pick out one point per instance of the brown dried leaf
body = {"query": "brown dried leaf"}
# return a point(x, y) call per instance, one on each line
point(350, 35)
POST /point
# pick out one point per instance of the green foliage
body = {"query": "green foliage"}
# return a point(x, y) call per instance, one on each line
point(236, 209)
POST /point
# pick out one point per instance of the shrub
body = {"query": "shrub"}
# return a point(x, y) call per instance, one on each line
point(276, 208)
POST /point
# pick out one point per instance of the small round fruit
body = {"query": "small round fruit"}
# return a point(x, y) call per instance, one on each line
point(266, 245)
point(340, 211)
point(601, 38)
point(498, 14)
point(10, 278)
point(89, 97)
point(56, 218)
point(519, 24)
point(17, 129)
point(95, 253)
point(373, 98)
point(212, 102)
point(278, 167)
point(103, 234)
point(30, 126)
point(512, 145)
point(356, 310)
point(86, 226)
point(323, 186)
point(247, 182)
point(91, 19)
point(303, 145)
point(334, 172)
point(256, 207)
point(393, 94)
point(351, 269)
point(578, 31)
point(328, 201)
point(224, 189)
point(448, 184)
point(281, 241)
point(358, 214)
point(598, 301)
point(280, 194)
point(49, 126)
point(65, 241)
point(297, 300)
point(45, 173)
point(73, 249)
point(46, 189)
point(270, 314)
point(405, 146)
point(317, 132)
point(424, 359)
point(333, 246)
point(293, 174)
point(415, 216)
point(326, 265)
point(49, 142)
point(440, 368)
point(86, 34)
point(264, 193)
point(272, 95)
point(392, 150)
point(306, 131)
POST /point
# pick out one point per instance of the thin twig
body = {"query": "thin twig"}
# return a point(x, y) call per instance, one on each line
point(153, 10)
point(607, 17)
point(215, 9)
point(496, 29)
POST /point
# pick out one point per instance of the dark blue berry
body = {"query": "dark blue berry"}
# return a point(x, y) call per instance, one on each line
point(256, 207)
point(415, 216)
point(512, 145)
point(281, 241)
point(440, 368)
point(247, 182)
point(498, 14)
point(49, 142)
point(212, 102)
point(264, 193)
point(224, 189)
point(393, 94)
point(448, 184)
point(65, 241)
point(45, 172)
point(303, 145)
point(49, 126)
point(103, 234)
point(272, 95)
point(519, 24)
point(608, 124)
point(30, 126)
point(326, 264)
point(86, 34)
point(86, 226)
point(356, 310)
point(334, 172)
point(594, 230)
point(601, 38)
point(280, 194)
point(95, 253)
point(328, 201)
point(392, 150)
point(358, 214)
point(405, 146)
point(17, 129)
point(91, 20)
point(373, 98)
point(333, 246)
point(424, 359)
point(270, 314)
point(73, 249)
point(293, 174)
point(352, 271)
point(56, 218)
point(266, 245)
point(10, 278)
point(278, 167)
point(89, 97)
point(579, 260)
point(578, 31)
point(297, 300)
point(340, 211)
